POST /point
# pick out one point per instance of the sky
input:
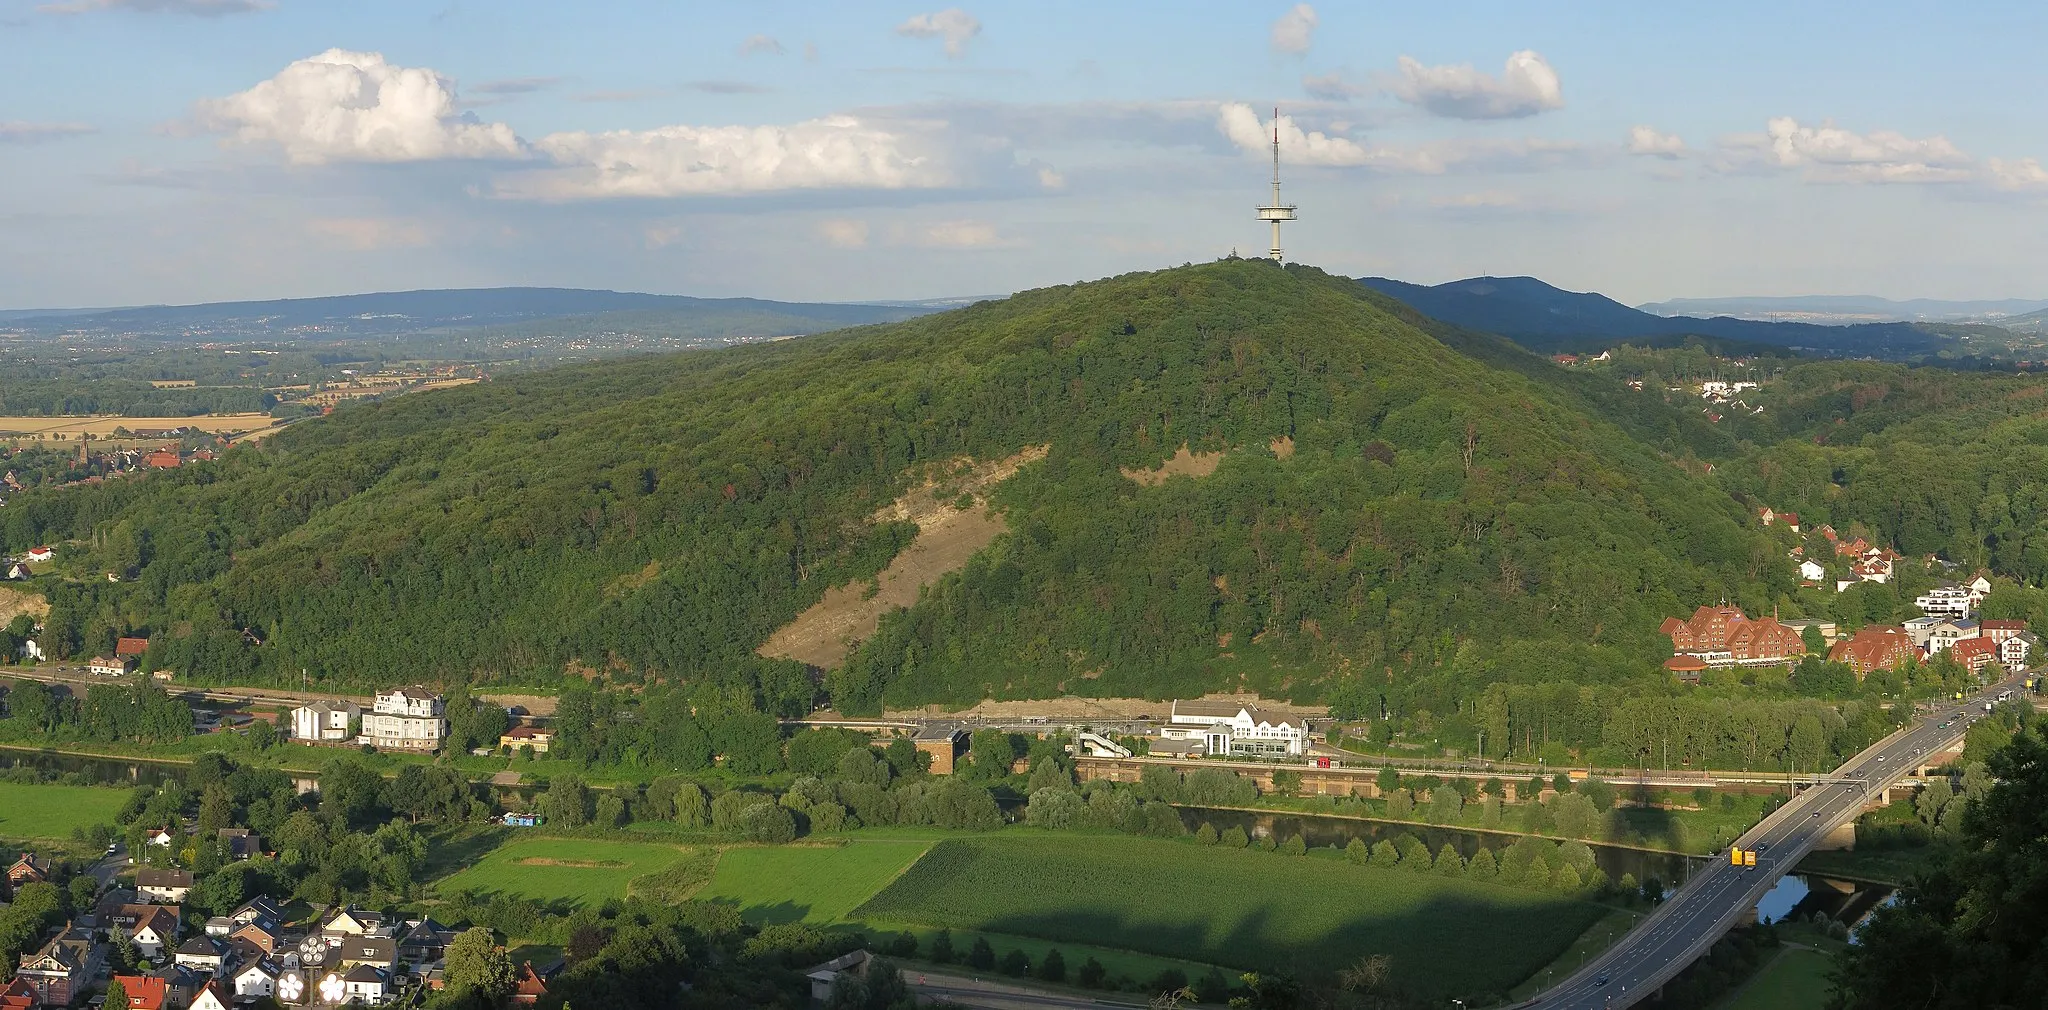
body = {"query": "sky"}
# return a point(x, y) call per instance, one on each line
point(200, 150)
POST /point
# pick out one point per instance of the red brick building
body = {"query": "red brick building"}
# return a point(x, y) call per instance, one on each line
point(1876, 647)
point(1725, 636)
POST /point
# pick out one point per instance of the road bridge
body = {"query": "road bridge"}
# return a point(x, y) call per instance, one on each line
point(1686, 926)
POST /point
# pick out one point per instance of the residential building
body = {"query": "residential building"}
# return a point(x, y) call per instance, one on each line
point(110, 666)
point(1228, 727)
point(1948, 633)
point(324, 721)
point(1828, 631)
point(155, 931)
point(38, 555)
point(255, 979)
point(181, 984)
point(63, 967)
point(367, 983)
point(29, 869)
point(214, 995)
point(527, 736)
point(1920, 629)
point(1812, 571)
point(17, 994)
point(258, 908)
point(1999, 631)
point(1949, 600)
point(1725, 636)
point(1875, 647)
point(1974, 654)
point(425, 942)
point(145, 992)
point(203, 952)
point(241, 843)
point(130, 648)
point(532, 986)
point(823, 977)
point(2015, 652)
point(381, 951)
point(162, 886)
point(163, 459)
point(409, 718)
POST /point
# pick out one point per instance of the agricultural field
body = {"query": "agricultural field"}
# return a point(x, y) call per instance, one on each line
point(44, 812)
point(809, 883)
point(1797, 979)
point(1243, 908)
point(102, 426)
point(578, 871)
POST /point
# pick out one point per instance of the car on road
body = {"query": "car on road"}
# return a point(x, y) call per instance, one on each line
point(111, 849)
point(1816, 813)
point(1602, 980)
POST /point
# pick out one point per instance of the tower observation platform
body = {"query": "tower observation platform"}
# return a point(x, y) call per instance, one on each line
point(1276, 211)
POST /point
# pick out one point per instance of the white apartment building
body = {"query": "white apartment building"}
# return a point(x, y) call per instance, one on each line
point(324, 721)
point(1949, 600)
point(1227, 728)
point(408, 718)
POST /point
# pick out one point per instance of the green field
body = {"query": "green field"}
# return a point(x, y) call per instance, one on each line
point(1796, 980)
point(1244, 908)
point(49, 812)
point(809, 883)
point(580, 871)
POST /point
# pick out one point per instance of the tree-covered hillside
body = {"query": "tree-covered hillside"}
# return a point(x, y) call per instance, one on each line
point(1386, 505)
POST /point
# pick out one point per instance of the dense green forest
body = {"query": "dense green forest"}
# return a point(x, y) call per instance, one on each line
point(1406, 514)
point(489, 532)
point(127, 397)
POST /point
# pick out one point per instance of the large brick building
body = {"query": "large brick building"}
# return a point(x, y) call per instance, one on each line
point(1876, 647)
point(1725, 636)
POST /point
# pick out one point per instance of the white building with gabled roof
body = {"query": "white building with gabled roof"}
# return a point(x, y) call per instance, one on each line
point(1233, 728)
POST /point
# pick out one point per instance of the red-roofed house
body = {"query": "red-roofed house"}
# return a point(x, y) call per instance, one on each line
point(1686, 667)
point(145, 992)
point(1975, 653)
point(530, 988)
point(129, 648)
point(39, 555)
point(1999, 631)
point(1725, 636)
point(18, 995)
point(1876, 647)
point(164, 459)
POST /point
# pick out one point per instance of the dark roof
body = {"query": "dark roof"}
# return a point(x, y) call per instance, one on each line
point(202, 945)
point(365, 973)
point(151, 876)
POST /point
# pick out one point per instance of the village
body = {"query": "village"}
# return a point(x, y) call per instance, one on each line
point(1723, 636)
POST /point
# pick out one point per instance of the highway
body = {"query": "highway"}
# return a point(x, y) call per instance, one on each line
point(1716, 898)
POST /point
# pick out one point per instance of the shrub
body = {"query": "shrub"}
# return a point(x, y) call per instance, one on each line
point(1384, 855)
point(1015, 964)
point(1295, 845)
point(1357, 852)
point(1092, 974)
point(1206, 834)
point(981, 955)
point(1448, 862)
point(942, 947)
point(1483, 866)
point(1236, 838)
point(1170, 980)
point(1052, 967)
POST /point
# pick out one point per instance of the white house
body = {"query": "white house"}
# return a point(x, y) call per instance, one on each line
point(1812, 571)
point(202, 952)
point(163, 887)
point(1949, 600)
point(324, 721)
point(110, 666)
point(2015, 651)
point(408, 718)
point(155, 932)
point(214, 996)
point(367, 983)
point(1232, 728)
point(38, 555)
point(256, 979)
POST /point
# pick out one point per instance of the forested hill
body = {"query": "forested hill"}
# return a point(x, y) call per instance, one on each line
point(1388, 511)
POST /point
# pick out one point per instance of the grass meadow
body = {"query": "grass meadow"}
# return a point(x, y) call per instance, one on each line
point(579, 871)
point(1239, 907)
point(1797, 979)
point(809, 883)
point(44, 812)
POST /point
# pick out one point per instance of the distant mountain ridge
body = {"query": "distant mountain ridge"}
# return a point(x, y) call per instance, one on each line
point(1839, 309)
point(1543, 317)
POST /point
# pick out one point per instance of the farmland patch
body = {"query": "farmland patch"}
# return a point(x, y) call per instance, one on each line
point(809, 883)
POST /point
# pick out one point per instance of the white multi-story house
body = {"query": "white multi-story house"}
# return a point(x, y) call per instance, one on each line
point(2016, 650)
point(324, 721)
point(1950, 600)
point(408, 718)
point(1948, 633)
point(1226, 728)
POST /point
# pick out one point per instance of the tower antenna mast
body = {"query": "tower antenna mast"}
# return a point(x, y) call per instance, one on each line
point(1276, 211)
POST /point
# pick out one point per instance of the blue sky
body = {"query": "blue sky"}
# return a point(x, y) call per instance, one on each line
point(192, 150)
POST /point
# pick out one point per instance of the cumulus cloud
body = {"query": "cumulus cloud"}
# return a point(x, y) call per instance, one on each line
point(368, 234)
point(2017, 175)
point(16, 132)
point(761, 44)
point(1828, 153)
point(343, 106)
point(844, 233)
point(1526, 86)
point(200, 8)
point(1649, 142)
point(952, 24)
point(1241, 124)
point(1332, 87)
point(831, 153)
point(1295, 30)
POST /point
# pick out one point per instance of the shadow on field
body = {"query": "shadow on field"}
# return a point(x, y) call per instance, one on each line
point(448, 855)
point(767, 915)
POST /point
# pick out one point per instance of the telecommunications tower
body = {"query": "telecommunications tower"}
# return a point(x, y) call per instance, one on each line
point(1276, 212)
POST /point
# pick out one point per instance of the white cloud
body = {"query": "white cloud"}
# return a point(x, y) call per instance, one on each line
point(844, 233)
point(2020, 174)
point(1827, 153)
point(1241, 124)
point(201, 8)
point(952, 24)
point(1049, 178)
point(837, 152)
point(16, 132)
point(515, 86)
point(369, 234)
point(660, 236)
point(1526, 86)
point(959, 235)
point(1295, 30)
point(761, 44)
point(1332, 87)
point(344, 106)
point(1648, 141)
